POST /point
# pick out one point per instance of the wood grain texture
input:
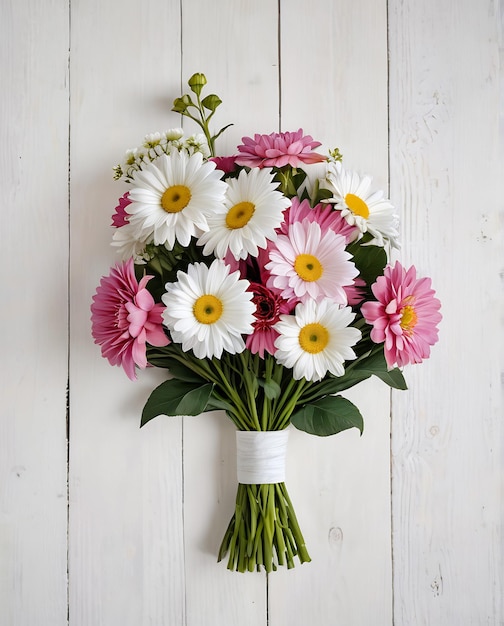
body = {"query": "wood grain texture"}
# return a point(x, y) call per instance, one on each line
point(240, 60)
point(34, 312)
point(340, 485)
point(126, 558)
point(147, 508)
point(446, 167)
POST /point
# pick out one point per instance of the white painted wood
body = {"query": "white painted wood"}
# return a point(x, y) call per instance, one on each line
point(148, 507)
point(126, 557)
point(337, 91)
point(34, 311)
point(238, 53)
point(448, 455)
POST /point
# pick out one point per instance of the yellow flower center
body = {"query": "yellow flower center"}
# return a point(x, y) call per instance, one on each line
point(357, 205)
point(239, 214)
point(313, 338)
point(308, 267)
point(207, 309)
point(408, 319)
point(175, 198)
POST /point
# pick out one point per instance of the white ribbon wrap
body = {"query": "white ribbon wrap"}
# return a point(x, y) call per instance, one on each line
point(261, 456)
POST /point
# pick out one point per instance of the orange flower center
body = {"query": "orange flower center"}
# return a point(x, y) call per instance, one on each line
point(207, 309)
point(408, 319)
point(175, 198)
point(308, 267)
point(313, 338)
point(239, 215)
point(357, 205)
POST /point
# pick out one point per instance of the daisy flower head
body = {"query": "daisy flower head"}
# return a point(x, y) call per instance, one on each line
point(269, 307)
point(308, 264)
point(128, 243)
point(405, 315)
point(278, 150)
point(171, 198)
point(208, 309)
point(317, 339)
point(249, 216)
point(368, 210)
point(125, 318)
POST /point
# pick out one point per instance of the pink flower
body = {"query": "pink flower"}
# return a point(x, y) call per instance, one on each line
point(269, 307)
point(125, 317)
point(405, 316)
point(307, 264)
point(325, 216)
point(224, 164)
point(356, 292)
point(278, 149)
point(120, 217)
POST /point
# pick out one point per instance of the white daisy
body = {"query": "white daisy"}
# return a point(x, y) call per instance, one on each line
point(251, 212)
point(209, 309)
point(127, 243)
point(308, 264)
point(317, 339)
point(171, 198)
point(369, 211)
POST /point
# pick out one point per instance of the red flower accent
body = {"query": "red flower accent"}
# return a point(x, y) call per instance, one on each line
point(269, 307)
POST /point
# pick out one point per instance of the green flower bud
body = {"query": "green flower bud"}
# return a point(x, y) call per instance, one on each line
point(180, 104)
point(197, 82)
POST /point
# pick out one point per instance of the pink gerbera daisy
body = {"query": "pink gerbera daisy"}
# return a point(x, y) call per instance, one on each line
point(278, 149)
point(125, 317)
point(269, 307)
point(308, 264)
point(324, 214)
point(405, 315)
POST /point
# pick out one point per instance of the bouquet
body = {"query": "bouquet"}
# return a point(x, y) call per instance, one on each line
point(260, 281)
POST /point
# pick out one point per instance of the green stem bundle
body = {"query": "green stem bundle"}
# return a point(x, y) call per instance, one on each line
point(264, 531)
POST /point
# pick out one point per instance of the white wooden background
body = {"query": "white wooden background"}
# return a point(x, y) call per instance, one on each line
point(121, 527)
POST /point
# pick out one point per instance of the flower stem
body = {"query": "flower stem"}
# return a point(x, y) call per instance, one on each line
point(264, 531)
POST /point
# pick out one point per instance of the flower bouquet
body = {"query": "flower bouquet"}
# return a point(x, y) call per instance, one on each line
point(261, 282)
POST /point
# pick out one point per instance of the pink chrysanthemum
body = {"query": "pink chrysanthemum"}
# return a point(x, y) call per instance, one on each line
point(269, 307)
point(307, 264)
point(278, 149)
point(325, 216)
point(120, 217)
point(125, 317)
point(405, 316)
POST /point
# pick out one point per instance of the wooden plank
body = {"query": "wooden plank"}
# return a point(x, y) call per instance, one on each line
point(446, 168)
point(126, 517)
point(237, 50)
point(335, 87)
point(33, 315)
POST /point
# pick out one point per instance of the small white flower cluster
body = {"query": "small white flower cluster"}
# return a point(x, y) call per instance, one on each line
point(156, 144)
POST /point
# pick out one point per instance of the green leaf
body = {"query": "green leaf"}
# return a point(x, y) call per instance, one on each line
point(394, 378)
point(369, 260)
point(174, 397)
point(271, 388)
point(221, 131)
point(328, 416)
point(377, 365)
